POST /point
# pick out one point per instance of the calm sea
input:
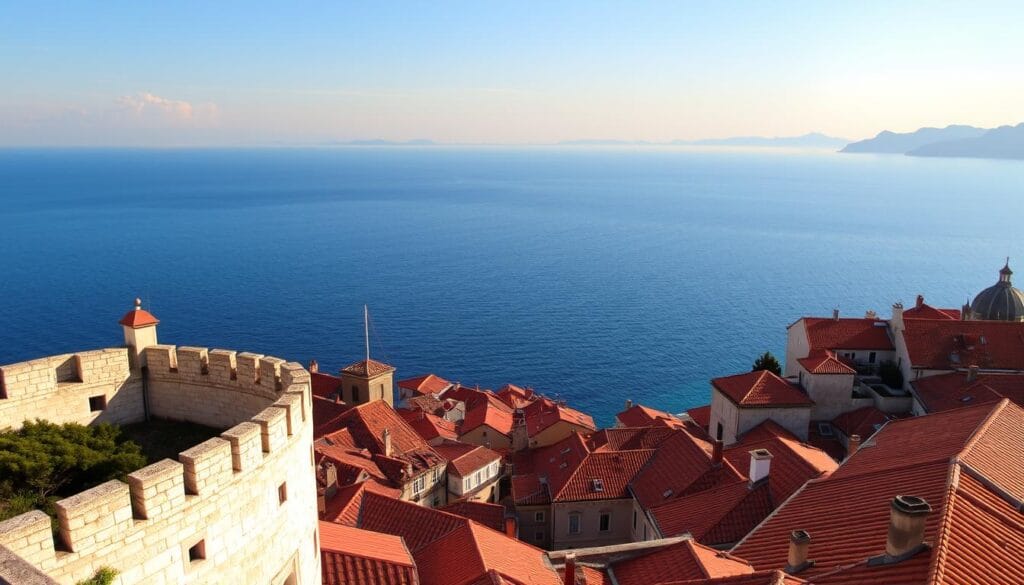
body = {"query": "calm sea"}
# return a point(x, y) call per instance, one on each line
point(596, 275)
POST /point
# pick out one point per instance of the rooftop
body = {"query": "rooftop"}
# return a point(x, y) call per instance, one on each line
point(761, 388)
point(367, 368)
point(350, 555)
point(844, 333)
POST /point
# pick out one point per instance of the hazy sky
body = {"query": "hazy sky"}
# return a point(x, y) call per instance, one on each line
point(220, 72)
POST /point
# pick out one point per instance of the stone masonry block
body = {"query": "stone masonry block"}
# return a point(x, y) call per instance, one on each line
point(157, 489)
point(269, 368)
point(192, 362)
point(221, 365)
point(207, 465)
point(91, 518)
point(292, 405)
point(161, 359)
point(273, 428)
point(23, 533)
point(293, 373)
point(247, 365)
point(246, 445)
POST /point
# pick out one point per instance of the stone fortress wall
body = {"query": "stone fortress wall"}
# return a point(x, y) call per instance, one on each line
point(239, 508)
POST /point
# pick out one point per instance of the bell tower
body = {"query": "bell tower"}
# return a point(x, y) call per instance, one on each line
point(366, 381)
point(139, 333)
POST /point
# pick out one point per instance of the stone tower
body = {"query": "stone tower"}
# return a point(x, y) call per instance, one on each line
point(366, 381)
point(139, 333)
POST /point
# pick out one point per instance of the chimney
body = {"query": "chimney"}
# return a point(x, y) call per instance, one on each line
point(799, 543)
point(385, 438)
point(920, 301)
point(972, 374)
point(760, 463)
point(570, 569)
point(852, 445)
point(906, 526)
point(897, 317)
point(716, 452)
point(835, 314)
point(313, 367)
point(510, 527)
point(337, 397)
point(629, 404)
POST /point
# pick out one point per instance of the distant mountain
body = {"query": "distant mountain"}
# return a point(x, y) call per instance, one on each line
point(380, 142)
point(603, 142)
point(891, 142)
point(1002, 142)
point(812, 140)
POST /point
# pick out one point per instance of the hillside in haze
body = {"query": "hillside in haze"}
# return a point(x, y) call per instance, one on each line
point(891, 142)
point(1002, 142)
point(812, 140)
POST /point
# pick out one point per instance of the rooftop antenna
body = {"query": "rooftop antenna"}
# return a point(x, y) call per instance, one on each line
point(366, 330)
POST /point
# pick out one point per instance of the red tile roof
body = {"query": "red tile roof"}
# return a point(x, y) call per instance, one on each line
point(824, 333)
point(327, 415)
point(490, 515)
point(544, 412)
point(138, 317)
point(966, 463)
point(701, 415)
point(863, 421)
point(418, 525)
point(465, 459)
point(825, 362)
point(949, 391)
point(324, 385)
point(793, 462)
point(681, 465)
point(428, 384)
point(539, 474)
point(466, 555)
point(948, 345)
point(515, 396)
point(718, 516)
point(627, 438)
point(924, 311)
point(350, 556)
point(771, 577)
point(492, 413)
point(367, 368)
point(683, 560)
point(343, 507)
point(352, 464)
point(639, 415)
point(761, 389)
point(428, 425)
point(602, 476)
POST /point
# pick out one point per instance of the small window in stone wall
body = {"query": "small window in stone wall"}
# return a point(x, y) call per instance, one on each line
point(282, 493)
point(197, 551)
point(97, 403)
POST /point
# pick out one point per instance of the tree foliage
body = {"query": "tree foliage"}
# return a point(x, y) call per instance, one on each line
point(767, 362)
point(43, 460)
point(103, 576)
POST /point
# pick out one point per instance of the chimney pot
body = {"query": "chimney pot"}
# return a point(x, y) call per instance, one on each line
point(510, 527)
point(852, 445)
point(972, 374)
point(906, 525)
point(570, 569)
point(920, 301)
point(716, 452)
point(835, 314)
point(799, 543)
point(629, 404)
point(313, 367)
point(385, 438)
point(760, 464)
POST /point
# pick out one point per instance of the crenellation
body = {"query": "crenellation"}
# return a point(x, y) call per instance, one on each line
point(207, 466)
point(157, 489)
point(273, 428)
point(291, 403)
point(247, 366)
point(221, 364)
point(269, 373)
point(95, 515)
point(161, 359)
point(246, 445)
point(192, 362)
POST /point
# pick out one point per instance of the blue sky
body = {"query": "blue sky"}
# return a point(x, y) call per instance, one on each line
point(477, 72)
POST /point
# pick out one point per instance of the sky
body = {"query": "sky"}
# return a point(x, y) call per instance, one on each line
point(247, 73)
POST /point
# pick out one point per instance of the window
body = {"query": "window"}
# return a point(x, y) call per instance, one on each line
point(597, 485)
point(355, 393)
point(634, 519)
point(825, 429)
point(538, 516)
point(418, 484)
point(719, 432)
point(197, 551)
point(282, 492)
point(476, 479)
point(606, 522)
point(465, 485)
point(97, 403)
point(871, 357)
point(574, 523)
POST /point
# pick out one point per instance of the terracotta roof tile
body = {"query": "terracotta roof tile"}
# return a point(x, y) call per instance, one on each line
point(952, 390)
point(683, 560)
point(793, 462)
point(465, 555)
point(761, 388)
point(490, 515)
point(639, 415)
point(465, 459)
point(486, 412)
point(678, 465)
point(701, 415)
point(924, 311)
point(948, 345)
point(770, 577)
point(343, 507)
point(628, 438)
point(367, 368)
point(138, 317)
point(327, 415)
point(350, 556)
point(427, 384)
point(863, 421)
point(824, 333)
point(428, 425)
point(418, 525)
point(603, 476)
point(825, 362)
point(543, 413)
point(716, 516)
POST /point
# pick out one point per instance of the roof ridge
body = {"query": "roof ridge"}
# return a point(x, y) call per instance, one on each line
point(693, 553)
point(979, 431)
point(937, 566)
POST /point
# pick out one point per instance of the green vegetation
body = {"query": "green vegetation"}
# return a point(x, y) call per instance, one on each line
point(43, 462)
point(767, 362)
point(164, 439)
point(104, 576)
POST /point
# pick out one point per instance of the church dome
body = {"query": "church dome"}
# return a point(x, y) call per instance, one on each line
point(999, 302)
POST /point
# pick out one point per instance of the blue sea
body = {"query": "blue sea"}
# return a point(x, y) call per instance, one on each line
point(592, 274)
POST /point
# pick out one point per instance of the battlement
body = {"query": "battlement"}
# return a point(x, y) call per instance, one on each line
point(50, 374)
point(266, 402)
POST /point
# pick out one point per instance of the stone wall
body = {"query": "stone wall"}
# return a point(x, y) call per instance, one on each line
point(239, 508)
point(58, 389)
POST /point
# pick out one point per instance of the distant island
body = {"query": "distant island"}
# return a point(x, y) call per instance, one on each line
point(952, 141)
point(811, 140)
point(380, 142)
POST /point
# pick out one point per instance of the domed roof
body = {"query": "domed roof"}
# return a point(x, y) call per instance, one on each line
point(999, 302)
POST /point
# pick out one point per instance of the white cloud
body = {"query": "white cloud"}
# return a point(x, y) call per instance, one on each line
point(152, 108)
